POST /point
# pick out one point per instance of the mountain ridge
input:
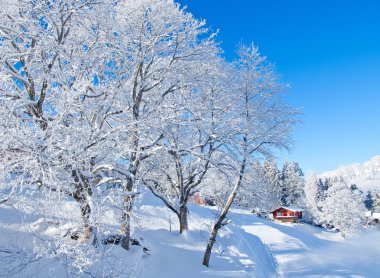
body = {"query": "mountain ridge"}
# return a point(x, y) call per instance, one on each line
point(365, 175)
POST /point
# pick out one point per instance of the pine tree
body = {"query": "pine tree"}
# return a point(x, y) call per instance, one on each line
point(376, 201)
point(293, 183)
point(326, 184)
point(321, 190)
point(273, 176)
point(313, 197)
point(368, 202)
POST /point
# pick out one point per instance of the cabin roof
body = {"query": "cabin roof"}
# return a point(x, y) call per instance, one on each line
point(290, 208)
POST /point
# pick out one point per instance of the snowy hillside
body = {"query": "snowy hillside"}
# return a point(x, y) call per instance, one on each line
point(248, 247)
point(366, 175)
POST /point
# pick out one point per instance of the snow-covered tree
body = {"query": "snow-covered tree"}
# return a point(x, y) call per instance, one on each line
point(376, 200)
point(368, 202)
point(159, 52)
point(125, 93)
point(191, 142)
point(51, 54)
point(216, 185)
point(58, 114)
point(262, 190)
point(293, 183)
point(273, 177)
point(313, 196)
point(342, 209)
point(262, 121)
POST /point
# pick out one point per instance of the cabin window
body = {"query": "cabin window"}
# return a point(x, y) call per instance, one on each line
point(279, 213)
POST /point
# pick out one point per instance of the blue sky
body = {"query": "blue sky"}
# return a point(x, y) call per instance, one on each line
point(329, 53)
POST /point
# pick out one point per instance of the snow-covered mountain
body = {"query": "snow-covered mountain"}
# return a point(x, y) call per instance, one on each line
point(365, 175)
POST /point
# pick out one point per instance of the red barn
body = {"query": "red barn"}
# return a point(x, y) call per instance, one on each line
point(287, 214)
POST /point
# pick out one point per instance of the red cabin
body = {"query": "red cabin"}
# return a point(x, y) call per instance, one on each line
point(288, 214)
point(197, 199)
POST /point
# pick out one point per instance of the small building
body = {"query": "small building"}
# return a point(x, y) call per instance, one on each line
point(288, 214)
point(196, 198)
point(372, 217)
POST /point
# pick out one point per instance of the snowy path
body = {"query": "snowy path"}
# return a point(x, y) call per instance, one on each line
point(236, 254)
point(302, 250)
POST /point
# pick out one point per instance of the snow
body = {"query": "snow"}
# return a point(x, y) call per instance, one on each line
point(365, 175)
point(292, 208)
point(248, 247)
point(301, 250)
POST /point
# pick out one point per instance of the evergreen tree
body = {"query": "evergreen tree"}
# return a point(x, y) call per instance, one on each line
point(293, 183)
point(273, 180)
point(376, 201)
point(263, 190)
point(326, 184)
point(313, 196)
point(368, 202)
point(321, 190)
point(354, 187)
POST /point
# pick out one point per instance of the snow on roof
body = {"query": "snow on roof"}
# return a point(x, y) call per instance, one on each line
point(368, 213)
point(291, 208)
point(376, 215)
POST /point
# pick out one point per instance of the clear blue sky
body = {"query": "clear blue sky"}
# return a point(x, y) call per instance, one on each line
point(329, 53)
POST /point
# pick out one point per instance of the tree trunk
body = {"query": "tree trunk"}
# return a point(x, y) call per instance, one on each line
point(210, 244)
point(87, 228)
point(85, 210)
point(82, 189)
point(126, 214)
point(126, 222)
point(222, 216)
point(133, 167)
point(217, 226)
point(183, 222)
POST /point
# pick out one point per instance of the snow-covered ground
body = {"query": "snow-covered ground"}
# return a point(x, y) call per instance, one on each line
point(248, 247)
point(301, 250)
